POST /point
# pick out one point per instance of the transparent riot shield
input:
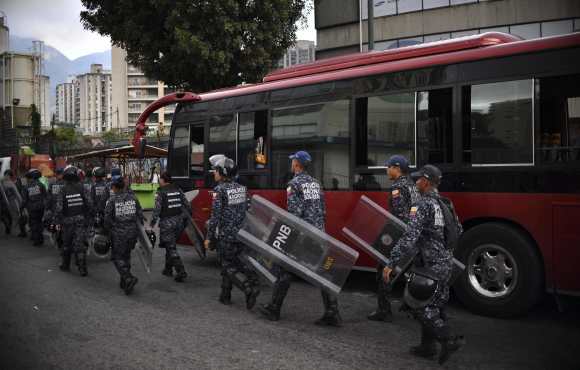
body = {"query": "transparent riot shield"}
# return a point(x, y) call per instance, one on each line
point(373, 229)
point(11, 199)
point(262, 265)
point(193, 232)
point(296, 245)
point(144, 248)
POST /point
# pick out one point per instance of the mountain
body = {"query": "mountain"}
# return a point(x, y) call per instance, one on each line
point(57, 66)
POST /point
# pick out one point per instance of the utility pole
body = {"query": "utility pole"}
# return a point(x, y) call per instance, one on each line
point(371, 23)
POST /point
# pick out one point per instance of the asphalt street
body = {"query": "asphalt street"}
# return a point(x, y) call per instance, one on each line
point(55, 320)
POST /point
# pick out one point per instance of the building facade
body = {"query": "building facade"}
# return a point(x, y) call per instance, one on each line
point(341, 25)
point(21, 86)
point(65, 103)
point(133, 92)
point(95, 110)
point(303, 51)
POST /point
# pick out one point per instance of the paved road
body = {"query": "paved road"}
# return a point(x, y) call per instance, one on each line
point(55, 320)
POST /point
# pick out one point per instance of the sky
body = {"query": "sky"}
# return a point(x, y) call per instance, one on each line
point(57, 23)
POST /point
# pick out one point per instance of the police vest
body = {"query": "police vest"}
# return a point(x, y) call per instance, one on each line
point(55, 189)
point(34, 192)
point(125, 210)
point(170, 202)
point(73, 201)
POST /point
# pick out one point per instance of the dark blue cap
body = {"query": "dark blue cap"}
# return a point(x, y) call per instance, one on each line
point(117, 180)
point(302, 157)
point(399, 161)
point(59, 171)
point(430, 172)
point(115, 172)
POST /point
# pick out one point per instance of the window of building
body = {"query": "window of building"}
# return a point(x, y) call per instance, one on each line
point(559, 140)
point(323, 131)
point(577, 25)
point(385, 127)
point(252, 139)
point(557, 28)
point(405, 6)
point(455, 35)
point(437, 37)
point(430, 4)
point(222, 135)
point(434, 126)
point(382, 8)
point(459, 2)
point(498, 123)
point(526, 31)
point(178, 164)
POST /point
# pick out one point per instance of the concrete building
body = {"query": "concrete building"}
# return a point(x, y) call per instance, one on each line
point(21, 85)
point(133, 92)
point(4, 34)
point(65, 103)
point(95, 111)
point(341, 25)
point(302, 52)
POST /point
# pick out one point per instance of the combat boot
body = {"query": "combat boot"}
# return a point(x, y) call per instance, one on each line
point(449, 343)
point(81, 261)
point(65, 262)
point(251, 296)
point(270, 311)
point(331, 315)
point(226, 292)
point(130, 282)
point(167, 270)
point(180, 273)
point(244, 284)
point(428, 346)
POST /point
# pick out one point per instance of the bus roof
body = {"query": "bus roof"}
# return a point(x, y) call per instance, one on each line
point(465, 49)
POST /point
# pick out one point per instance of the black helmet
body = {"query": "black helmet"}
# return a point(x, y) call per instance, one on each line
point(99, 172)
point(223, 165)
point(101, 245)
point(421, 288)
point(33, 173)
point(71, 173)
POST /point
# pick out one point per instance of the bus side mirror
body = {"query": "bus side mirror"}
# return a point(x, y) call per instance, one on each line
point(142, 146)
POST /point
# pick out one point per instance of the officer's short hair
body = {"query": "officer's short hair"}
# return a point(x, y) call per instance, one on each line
point(166, 176)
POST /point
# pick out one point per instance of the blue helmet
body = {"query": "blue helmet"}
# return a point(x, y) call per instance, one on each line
point(301, 156)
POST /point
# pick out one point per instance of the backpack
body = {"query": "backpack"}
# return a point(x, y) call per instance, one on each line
point(451, 229)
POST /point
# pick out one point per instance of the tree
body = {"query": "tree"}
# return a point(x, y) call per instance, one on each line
point(35, 121)
point(198, 44)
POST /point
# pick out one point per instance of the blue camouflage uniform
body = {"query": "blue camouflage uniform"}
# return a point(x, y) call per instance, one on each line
point(229, 206)
point(98, 197)
point(170, 205)
point(33, 199)
point(425, 235)
point(122, 212)
point(71, 212)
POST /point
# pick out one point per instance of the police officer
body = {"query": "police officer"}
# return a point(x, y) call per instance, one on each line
point(122, 212)
point(306, 201)
point(72, 214)
point(426, 236)
point(403, 194)
point(33, 199)
point(98, 195)
point(228, 212)
point(54, 189)
point(170, 203)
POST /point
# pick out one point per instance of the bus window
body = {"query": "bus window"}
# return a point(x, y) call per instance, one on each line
point(179, 163)
point(197, 149)
point(385, 127)
point(252, 139)
point(323, 131)
point(559, 140)
point(498, 123)
point(222, 135)
point(434, 126)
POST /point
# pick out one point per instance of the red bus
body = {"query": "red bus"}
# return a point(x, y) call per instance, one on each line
point(500, 116)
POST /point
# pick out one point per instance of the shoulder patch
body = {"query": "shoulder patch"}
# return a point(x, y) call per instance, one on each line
point(289, 190)
point(396, 193)
point(413, 211)
point(213, 194)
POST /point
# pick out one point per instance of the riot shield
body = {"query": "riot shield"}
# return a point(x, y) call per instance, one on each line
point(193, 232)
point(144, 247)
point(11, 200)
point(262, 265)
point(296, 245)
point(373, 229)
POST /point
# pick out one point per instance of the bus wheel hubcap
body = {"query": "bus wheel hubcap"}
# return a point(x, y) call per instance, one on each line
point(492, 271)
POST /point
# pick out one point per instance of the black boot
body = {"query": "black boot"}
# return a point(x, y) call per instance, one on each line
point(245, 285)
point(130, 282)
point(331, 315)
point(272, 310)
point(428, 347)
point(180, 273)
point(226, 292)
point(81, 261)
point(383, 311)
point(168, 270)
point(65, 261)
point(449, 343)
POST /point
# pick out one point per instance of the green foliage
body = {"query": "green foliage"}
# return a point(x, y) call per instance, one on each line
point(198, 44)
point(115, 135)
point(66, 135)
point(35, 121)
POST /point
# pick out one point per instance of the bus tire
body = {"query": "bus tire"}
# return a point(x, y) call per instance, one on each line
point(503, 275)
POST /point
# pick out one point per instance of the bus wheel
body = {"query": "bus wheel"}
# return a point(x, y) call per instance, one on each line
point(503, 274)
